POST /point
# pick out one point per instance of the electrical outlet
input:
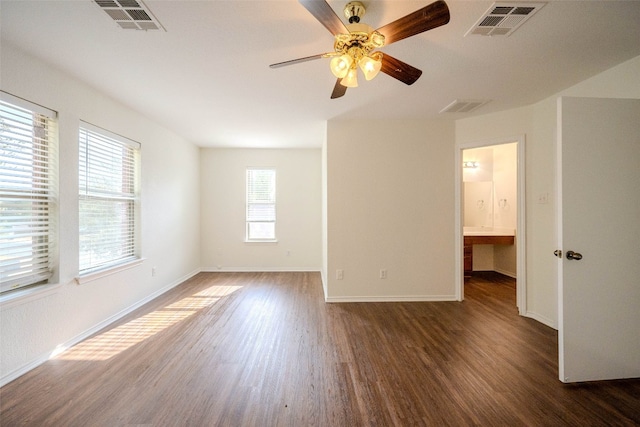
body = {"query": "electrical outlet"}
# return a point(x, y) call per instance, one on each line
point(543, 198)
point(383, 274)
point(339, 274)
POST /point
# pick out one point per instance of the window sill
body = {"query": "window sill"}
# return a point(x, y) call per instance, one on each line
point(262, 241)
point(90, 277)
point(23, 296)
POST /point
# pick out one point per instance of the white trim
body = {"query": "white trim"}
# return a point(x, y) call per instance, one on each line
point(108, 271)
point(542, 319)
point(506, 273)
point(78, 338)
point(16, 373)
point(559, 240)
point(521, 247)
point(28, 294)
point(75, 340)
point(23, 103)
point(104, 132)
point(260, 269)
point(521, 233)
point(325, 291)
point(458, 224)
point(392, 298)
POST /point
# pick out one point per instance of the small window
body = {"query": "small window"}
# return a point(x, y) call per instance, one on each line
point(108, 205)
point(28, 193)
point(261, 205)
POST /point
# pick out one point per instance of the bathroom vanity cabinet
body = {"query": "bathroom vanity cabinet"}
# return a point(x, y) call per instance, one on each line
point(480, 239)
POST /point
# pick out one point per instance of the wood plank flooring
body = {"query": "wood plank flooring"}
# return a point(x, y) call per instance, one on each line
point(264, 349)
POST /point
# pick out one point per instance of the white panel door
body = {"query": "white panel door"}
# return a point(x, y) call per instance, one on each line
point(599, 219)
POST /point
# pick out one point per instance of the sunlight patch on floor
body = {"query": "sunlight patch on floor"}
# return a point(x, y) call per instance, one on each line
point(114, 341)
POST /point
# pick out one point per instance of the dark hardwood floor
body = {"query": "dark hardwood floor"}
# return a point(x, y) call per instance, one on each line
point(264, 349)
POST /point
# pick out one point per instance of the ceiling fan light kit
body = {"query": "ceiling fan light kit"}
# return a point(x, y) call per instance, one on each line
point(340, 65)
point(371, 65)
point(356, 49)
point(351, 79)
point(355, 44)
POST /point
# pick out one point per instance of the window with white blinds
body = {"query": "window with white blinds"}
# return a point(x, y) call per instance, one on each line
point(261, 205)
point(28, 192)
point(108, 205)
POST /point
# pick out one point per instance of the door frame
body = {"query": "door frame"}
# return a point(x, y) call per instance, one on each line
point(521, 282)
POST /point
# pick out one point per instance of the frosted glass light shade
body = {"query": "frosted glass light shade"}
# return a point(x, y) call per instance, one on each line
point(340, 65)
point(370, 67)
point(351, 79)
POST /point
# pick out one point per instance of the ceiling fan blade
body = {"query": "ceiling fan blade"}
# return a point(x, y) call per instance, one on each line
point(321, 10)
point(297, 61)
point(400, 70)
point(427, 18)
point(338, 90)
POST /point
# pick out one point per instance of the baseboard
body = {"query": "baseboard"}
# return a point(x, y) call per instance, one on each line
point(75, 340)
point(16, 373)
point(391, 298)
point(6, 379)
point(323, 279)
point(542, 319)
point(258, 269)
point(506, 273)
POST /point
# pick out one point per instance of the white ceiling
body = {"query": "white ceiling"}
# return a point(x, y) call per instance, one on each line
point(208, 79)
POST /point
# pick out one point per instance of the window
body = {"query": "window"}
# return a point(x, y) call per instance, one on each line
point(28, 192)
point(108, 170)
point(261, 205)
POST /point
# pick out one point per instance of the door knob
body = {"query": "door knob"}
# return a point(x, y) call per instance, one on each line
point(574, 255)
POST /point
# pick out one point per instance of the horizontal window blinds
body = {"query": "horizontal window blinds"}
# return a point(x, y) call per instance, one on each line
point(28, 192)
point(261, 204)
point(108, 169)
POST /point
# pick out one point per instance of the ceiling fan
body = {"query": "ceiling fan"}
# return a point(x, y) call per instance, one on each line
point(355, 44)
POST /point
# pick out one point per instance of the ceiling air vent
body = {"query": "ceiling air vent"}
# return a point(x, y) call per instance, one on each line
point(502, 19)
point(130, 14)
point(464, 105)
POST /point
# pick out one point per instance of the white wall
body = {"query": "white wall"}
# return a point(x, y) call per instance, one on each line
point(33, 328)
point(390, 205)
point(298, 210)
point(538, 123)
point(621, 81)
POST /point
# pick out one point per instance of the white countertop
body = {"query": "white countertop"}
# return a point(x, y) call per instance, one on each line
point(489, 231)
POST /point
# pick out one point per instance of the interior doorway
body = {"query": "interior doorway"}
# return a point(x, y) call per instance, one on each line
point(490, 222)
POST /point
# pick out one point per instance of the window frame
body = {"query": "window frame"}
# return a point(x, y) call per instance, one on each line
point(41, 148)
point(272, 202)
point(92, 196)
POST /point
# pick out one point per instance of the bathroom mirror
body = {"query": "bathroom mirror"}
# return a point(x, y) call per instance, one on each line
point(478, 204)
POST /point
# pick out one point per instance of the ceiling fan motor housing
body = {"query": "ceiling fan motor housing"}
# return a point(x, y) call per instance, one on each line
point(354, 11)
point(360, 41)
